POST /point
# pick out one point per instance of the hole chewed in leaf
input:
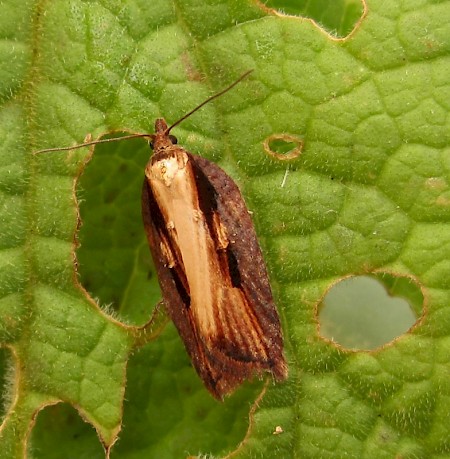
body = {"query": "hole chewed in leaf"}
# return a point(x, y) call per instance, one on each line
point(114, 260)
point(338, 18)
point(60, 429)
point(283, 147)
point(366, 312)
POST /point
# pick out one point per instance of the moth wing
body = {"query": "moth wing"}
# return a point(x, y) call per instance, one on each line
point(172, 281)
point(250, 340)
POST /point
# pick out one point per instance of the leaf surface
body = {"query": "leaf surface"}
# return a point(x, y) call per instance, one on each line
point(369, 192)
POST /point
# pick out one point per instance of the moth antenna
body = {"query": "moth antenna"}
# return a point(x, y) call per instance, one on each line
point(134, 136)
point(94, 142)
point(209, 99)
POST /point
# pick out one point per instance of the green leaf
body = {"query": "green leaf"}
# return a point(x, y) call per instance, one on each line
point(368, 193)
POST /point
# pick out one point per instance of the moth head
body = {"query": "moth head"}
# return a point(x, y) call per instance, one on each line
point(161, 138)
point(151, 140)
point(160, 126)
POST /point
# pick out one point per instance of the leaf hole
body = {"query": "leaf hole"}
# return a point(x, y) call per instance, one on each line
point(283, 147)
point(366, 312)
point(114, 260)
point(337, 18)
point(60, 428)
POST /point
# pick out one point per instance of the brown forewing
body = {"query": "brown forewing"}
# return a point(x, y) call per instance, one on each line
point(249, 340)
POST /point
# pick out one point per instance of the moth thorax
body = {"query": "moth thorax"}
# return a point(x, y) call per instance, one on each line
point(166, 169)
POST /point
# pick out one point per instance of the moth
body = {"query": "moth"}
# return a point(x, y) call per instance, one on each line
point(211, 271)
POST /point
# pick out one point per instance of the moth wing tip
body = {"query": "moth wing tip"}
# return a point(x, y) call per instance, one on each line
point(281, 370)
